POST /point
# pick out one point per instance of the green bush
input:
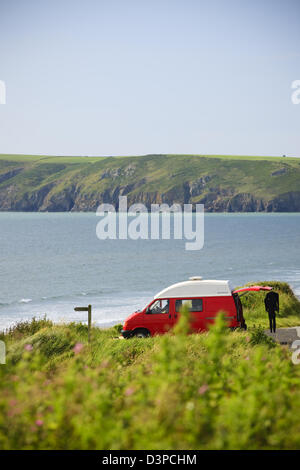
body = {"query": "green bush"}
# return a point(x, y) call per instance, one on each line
point(258, 336)
point(26, 328)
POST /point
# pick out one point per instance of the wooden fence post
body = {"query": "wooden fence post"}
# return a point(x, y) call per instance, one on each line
point(87, 309)
point(89, 322)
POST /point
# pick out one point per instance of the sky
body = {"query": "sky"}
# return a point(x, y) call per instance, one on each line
point(128, 77)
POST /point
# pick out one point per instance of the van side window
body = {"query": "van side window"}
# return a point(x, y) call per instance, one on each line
point(160, 306)
point(194, 305)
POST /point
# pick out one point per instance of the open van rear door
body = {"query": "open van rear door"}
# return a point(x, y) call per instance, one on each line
point(239, 308)
point(252, 288)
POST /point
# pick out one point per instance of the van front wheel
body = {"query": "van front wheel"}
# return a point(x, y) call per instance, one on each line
point(141, 333)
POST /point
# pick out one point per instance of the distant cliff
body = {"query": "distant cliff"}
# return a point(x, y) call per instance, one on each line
point(222, 184)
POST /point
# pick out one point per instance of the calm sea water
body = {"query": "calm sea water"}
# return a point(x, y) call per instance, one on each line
point(52, 262)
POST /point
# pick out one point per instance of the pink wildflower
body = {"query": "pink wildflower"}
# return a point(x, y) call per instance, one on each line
point(39, 422)
point(129, 391)
point(28, 347)
point(77, 348)
point(203, 389)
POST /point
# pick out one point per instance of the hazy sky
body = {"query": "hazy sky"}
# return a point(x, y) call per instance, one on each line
point(121, 77)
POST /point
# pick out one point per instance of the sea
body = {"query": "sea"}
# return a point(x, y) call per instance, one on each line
point(51, 263)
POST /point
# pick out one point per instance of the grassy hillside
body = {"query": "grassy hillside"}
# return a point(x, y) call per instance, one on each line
point(254, 307)
point(222, 183)
point(217, 390)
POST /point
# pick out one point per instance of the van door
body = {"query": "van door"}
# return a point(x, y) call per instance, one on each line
point(159, 317)
point(214, 305)
point(195, 306)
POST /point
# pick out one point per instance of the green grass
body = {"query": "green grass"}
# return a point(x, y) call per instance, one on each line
point(89, 159)
point(46, 158)
point(216, 390)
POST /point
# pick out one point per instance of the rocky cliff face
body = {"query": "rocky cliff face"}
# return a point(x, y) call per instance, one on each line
point(214, 200)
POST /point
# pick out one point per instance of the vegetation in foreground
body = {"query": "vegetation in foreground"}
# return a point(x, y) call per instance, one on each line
point(217, 390)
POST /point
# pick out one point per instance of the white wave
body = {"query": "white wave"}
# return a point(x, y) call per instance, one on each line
point(25, 301)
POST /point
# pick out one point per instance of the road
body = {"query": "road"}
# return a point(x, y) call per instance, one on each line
point(285, 335)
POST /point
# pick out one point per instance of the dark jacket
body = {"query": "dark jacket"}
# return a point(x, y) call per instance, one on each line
point(272, 302)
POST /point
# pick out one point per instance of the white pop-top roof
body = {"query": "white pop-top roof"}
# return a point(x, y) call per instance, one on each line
point(196, 287)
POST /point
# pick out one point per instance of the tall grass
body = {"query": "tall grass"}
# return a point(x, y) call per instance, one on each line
point(217, 390)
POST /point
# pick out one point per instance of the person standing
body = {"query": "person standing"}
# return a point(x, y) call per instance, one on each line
point(272, 306)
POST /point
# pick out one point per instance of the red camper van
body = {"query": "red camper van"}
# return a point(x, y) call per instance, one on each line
point(205, 299)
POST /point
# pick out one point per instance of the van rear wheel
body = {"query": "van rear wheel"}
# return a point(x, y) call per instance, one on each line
point(141, 333)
